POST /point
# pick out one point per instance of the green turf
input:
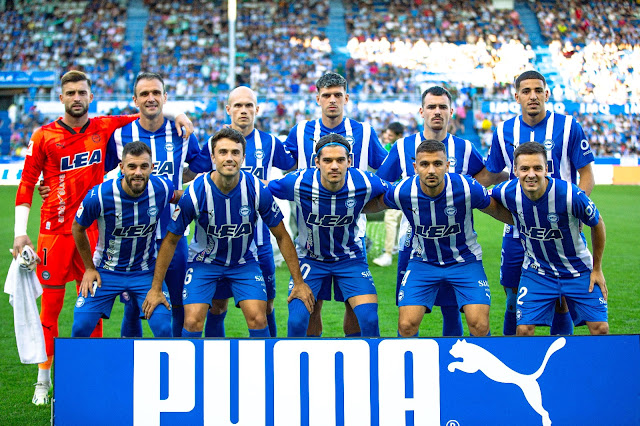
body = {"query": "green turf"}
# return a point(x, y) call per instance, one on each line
point(618, 205)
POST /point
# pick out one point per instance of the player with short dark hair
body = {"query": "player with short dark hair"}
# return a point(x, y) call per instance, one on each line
point(329, 199)
point(127, 211)
point(366, 151)
point(439, 207)
point(169, 152)
point(436, 111)
point(548, 213)
point(568, 155)
point(226, 204)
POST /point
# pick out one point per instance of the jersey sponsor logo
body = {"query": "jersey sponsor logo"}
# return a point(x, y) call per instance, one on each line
point(590, 210)
point(134, 231)
point(450, 211)
point(475, 358)
point(80, 160)
point(30, 148)
point(584, 144)
point(275, 208)
point(548, 144)
point(163, 168)
point(329, 220)
point(553, 218)
point(437, 231)
point(168, 146)
point(541, 234)
point(244, 211)
point(230, 230)
point(259, 154)
point(350, 203)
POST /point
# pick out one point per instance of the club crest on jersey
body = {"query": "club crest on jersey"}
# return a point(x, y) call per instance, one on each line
point(553, 218)
point(245, 211)
point(350, 139)
point(259, 154)
point(350, 203)
point(80, 160)
point(168, 146)
point(95, 138)
point(548, 144)
point(153, 211)
point(452, 161)
point(450, 211)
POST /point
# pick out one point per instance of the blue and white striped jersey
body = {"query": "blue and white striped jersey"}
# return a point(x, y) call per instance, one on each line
point(225, 223)
point(550, 226)
point(463, 156)
point(264, 151)
point(127, 225)
point(567, 146)
point(366, 149)
point(169, 152)
point(442, 226)
point(328, 228)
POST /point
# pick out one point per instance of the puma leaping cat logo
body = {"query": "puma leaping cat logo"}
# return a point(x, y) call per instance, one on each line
point(476, 358)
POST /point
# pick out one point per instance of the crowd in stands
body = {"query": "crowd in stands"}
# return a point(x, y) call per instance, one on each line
point(59, 36)
point(281, 46)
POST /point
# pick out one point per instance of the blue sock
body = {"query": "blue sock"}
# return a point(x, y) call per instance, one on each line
point(509, 327)
point(353, 334)
point(451, 321)
point(415, 335)
point(177, 320)
point(214, 327)
point(367, 314)
point(263, 332)
point(298, 321)
point(271, 321)
point(562, 324)
point(131, 324)
point(191, 334)
point(313, 336)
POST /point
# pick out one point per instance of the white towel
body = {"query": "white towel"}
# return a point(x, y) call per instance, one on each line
point(23, 289)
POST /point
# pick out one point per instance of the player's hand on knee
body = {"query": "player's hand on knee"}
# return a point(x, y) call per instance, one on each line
point(153, 299)
point(43, 190)
point(304, 293)
point(597, 278)
point(90, 282)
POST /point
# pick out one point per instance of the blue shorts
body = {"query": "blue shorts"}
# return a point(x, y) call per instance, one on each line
point(174, 278)
point(422, 281)
point(351, 276)
point(268, 268)
point(511, 261)
point(446, 295)
point(136, 284)
point(201, 281)
point(538, 294)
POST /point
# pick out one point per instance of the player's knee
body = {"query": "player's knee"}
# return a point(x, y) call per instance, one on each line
point(256, 320)
point(367, 316)
point(525, 330)
point(408, 326)
point(160, 325)
point(598, 328)
point(298, 319)
point(192, 324)
point(83, 324)
point(219, 306)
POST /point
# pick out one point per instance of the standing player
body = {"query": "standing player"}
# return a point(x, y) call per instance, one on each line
point(392, 218)
point(264, 151)
point(226, 204)
point(127, 211)
point(439, 207)
point(463, 157)
point(568, 155)
point(366, 152)
point(169, 153)
point(69, 152)
point(330, 198)
point(549, 213)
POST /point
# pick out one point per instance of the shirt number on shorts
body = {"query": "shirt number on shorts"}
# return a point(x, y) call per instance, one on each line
point(523, 292)
point(305, 268)
point(188, 276)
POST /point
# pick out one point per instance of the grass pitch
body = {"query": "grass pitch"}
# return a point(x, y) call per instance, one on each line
point(618, 206)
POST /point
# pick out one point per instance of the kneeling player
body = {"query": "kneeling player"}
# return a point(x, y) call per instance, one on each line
point(439, 207)
point(127, 210)
point(548, 213)
point(330, 198)
point(226, 204)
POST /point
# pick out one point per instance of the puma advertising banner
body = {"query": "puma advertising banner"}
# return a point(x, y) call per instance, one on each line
point(573, 380)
